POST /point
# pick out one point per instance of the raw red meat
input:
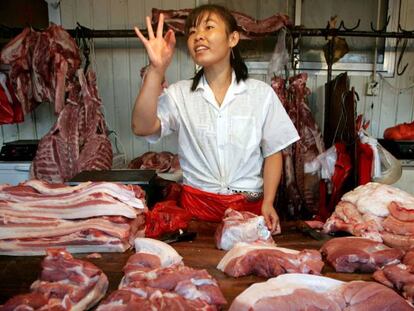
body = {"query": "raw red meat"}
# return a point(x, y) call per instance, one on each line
point(65, 283)
point(77, 142)
point(293, 292)
point(268, 260)
point(350, 254)
point(250, 28)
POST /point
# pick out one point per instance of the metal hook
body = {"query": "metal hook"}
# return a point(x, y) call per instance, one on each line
point(404, 46)
point(83, 31)
point(342, 25)
point(403, 30)
point(383, 28)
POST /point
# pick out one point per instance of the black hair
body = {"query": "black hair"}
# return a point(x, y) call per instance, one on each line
point(236, 60)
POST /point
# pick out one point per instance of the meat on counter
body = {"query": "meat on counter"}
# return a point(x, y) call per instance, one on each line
point(241, 226)
point(267, 260)
point(293, 292)
point(65, 283)
point(90, 217)
point(156, 279)
point(376, 211)
point(350, 254)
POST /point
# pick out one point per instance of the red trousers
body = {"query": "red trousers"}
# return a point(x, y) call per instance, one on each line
point(210, 206)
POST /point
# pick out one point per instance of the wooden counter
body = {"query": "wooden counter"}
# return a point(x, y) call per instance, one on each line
point(18, 273)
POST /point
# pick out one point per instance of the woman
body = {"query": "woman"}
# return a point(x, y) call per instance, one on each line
point(227, 124)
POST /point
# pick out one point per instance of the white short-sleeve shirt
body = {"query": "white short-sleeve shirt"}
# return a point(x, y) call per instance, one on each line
point(222, 148)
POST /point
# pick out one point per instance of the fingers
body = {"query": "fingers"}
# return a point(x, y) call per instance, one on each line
point(160, 26)
point(140, 35)
point(276, 223)
point(273, 223)
point(170, 38)
point(268, 221)
point(149, 28)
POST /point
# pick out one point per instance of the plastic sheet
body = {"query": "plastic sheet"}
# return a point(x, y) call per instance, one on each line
point(166, 217)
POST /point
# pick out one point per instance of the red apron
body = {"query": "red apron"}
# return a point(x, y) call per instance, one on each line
point(210, 206)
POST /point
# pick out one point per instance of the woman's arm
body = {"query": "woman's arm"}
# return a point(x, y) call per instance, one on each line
point(160, 52)
point(271, 177)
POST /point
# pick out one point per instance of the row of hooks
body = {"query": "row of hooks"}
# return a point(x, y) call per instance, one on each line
point(399, 70)
point(381, 30)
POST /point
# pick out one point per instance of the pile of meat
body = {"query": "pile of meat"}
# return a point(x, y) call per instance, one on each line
point(156, 279)
point(290, 292)
point(241, 226)
point(162, 162)
point(376, 211)
point(42, 65)
point(78, 141)
point(65, 283)
point(301, 187)
point(249, 28)
point(399, 276)
point(90, 217)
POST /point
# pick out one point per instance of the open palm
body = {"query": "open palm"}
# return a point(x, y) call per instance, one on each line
point(160, 49)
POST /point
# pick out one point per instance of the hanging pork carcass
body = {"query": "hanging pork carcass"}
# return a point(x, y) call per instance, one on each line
point(78, 141)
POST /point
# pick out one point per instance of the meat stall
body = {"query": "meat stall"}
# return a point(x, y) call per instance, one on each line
point(17, 273)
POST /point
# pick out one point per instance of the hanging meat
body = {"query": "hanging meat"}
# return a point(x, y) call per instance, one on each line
point(18, 53)
point(78, 141)
point(249, 27)
point(10, 107)
point(42, 65)
point(302, 188)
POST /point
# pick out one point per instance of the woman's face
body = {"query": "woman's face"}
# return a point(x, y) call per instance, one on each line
point(208, 42)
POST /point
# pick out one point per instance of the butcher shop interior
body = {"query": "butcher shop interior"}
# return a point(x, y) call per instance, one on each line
point(207, 155)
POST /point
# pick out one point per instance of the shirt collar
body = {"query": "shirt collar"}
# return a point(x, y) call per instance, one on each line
point(236, 87)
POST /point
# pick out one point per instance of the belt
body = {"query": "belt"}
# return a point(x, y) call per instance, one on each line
point(250, 196)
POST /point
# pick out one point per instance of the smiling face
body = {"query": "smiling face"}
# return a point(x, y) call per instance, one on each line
point(209, 41)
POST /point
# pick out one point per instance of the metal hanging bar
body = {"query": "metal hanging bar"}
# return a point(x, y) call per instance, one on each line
point(6, 32)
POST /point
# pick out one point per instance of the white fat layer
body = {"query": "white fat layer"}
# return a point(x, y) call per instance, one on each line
point(241, 249)
point(374, 198)
point(168, 255)
point(96, 294)
point(282, 285)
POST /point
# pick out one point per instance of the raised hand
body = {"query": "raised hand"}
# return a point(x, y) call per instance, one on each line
point(160, 49)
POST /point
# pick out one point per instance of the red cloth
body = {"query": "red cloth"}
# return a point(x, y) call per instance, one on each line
point(210, 206)
point(342, 170)
point(365, 158)
point(10, 112)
